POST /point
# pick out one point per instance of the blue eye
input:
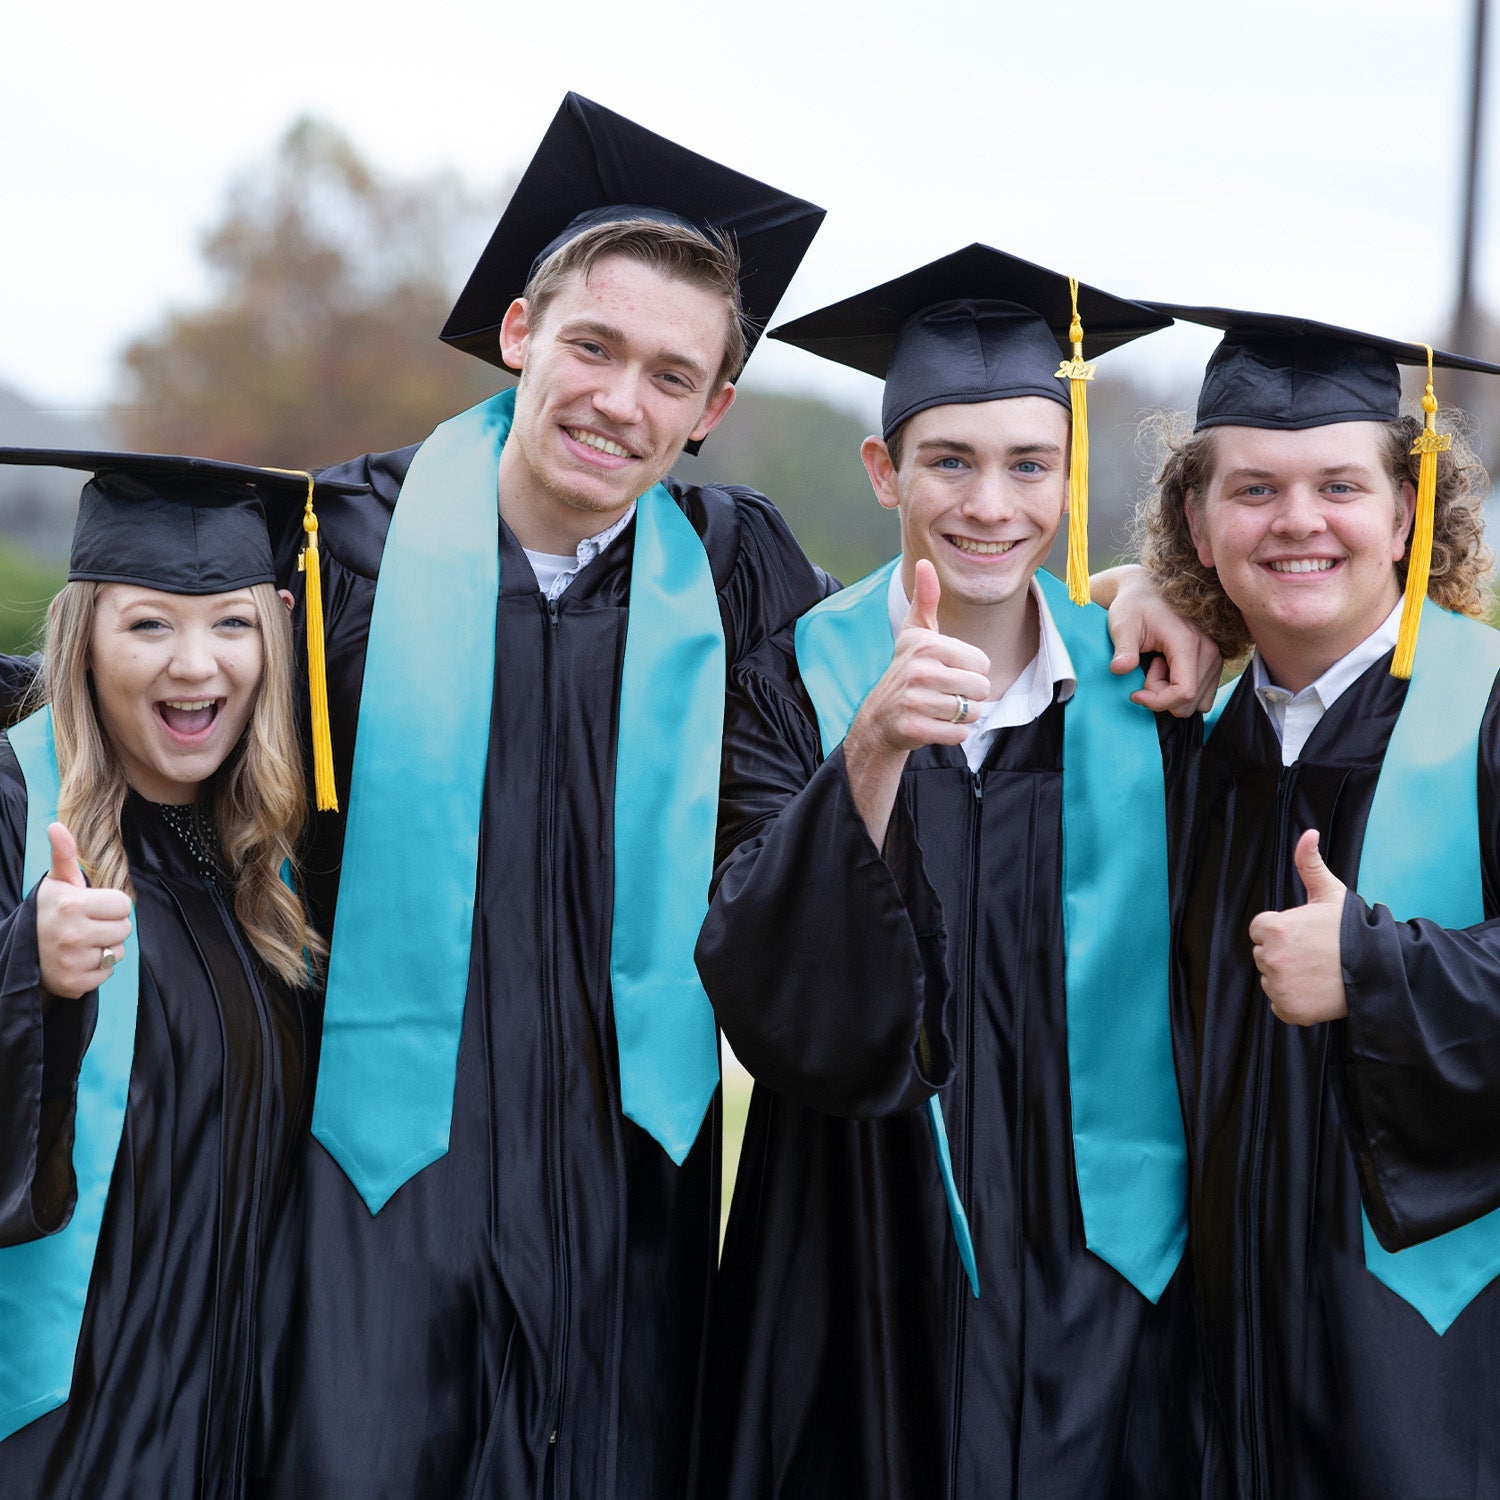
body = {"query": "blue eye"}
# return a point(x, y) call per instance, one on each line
point(950, 463)
point(147, 627)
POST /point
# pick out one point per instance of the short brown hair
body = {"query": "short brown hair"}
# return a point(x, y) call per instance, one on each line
point(709, 260)
point(1461, 560)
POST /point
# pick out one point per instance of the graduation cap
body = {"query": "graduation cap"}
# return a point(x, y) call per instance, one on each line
point(596, 167)
point(981, 325)
point(1287, 373)
point(195, 526)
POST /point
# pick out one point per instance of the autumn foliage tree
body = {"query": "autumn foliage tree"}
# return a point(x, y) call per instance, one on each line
point(330, 284)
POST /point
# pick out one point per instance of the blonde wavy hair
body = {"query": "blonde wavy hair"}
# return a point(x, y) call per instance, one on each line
point(259, 794)
point(1184, 461)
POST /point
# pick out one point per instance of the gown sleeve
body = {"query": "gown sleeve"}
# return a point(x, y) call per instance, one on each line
point(42, 1042)
point(1421, 1069)
point(824, 956)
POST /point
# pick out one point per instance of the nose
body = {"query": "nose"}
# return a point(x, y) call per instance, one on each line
point(193, 656)
point(989, 500)
point(617, 397)
point(1299, 514)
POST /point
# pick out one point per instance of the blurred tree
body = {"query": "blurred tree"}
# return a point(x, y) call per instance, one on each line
point(331, 282)
point(25, 589)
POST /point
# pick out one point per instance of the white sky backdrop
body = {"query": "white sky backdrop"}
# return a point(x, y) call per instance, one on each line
point(1291, 155)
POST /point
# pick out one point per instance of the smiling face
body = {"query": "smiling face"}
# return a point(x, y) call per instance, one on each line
point(981, 490)
point(1304, 530)
point(617, 374)
point(175, 678)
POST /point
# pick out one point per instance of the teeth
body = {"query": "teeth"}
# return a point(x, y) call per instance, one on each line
point(594, 440)
point(982, 549)
point(191, 706)
point(1303, 565)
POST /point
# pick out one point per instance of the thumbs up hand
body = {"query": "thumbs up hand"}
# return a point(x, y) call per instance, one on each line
point(927, 696)
point(930, 693)
point(1297, 951)
point(80, 932)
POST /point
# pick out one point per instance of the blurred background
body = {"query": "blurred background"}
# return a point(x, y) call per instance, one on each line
point(236, 232)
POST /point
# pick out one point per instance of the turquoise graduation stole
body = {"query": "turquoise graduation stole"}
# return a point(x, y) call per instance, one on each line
point(1434, 870)
point(1129, 1151)
point(43, 1284)
point(1431, 766)
point(399, 967)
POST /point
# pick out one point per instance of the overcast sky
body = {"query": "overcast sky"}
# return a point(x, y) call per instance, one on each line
point(1290, 155)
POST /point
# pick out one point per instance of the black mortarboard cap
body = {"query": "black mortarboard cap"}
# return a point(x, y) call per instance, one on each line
point(182, 525)
point(594, 166)
point(1291, 373)
point(977, 325)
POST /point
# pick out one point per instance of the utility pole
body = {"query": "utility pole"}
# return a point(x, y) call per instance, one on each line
point(1466, 333)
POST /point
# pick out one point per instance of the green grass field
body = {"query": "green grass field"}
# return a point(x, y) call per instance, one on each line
point(737, 1085)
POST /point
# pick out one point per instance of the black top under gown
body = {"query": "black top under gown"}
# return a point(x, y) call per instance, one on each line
point(172, 1343)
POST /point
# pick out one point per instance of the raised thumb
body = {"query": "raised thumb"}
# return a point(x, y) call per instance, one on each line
point(64, 856)
point(1322, 884)
point(925, 594)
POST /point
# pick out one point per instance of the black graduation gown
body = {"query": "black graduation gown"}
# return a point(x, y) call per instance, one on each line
point(163, 1386)
point(1323, 1381)
point(525, 1316)
point(851, 1358)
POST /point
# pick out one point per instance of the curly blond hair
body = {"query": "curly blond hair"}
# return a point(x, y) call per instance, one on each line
point(259, 794)
point(1184, 461)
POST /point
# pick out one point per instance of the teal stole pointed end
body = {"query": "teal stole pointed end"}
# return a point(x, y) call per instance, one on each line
point(399, 964)
point(1130, 1154)
point(44, 1284)
point(1421, 858)
point(1129, 1147)
point(666, 812)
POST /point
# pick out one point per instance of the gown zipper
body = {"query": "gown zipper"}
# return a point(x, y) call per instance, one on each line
point(561, 1307)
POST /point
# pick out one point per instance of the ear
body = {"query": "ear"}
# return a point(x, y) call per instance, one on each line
point(718, 404)
point(515, 329)
point(1408, 503)
point(877, 461)
point(1196, 528)
point(286, 599)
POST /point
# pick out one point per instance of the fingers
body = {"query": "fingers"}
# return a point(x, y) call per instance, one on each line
point(64, 856)
point(926, 595)
point(75, 928)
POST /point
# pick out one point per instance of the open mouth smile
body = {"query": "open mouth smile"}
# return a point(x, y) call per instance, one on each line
point(1303, 565)
point(188, 720)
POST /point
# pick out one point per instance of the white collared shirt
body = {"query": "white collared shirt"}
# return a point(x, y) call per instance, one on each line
point(1294, 716)
point(556, 570)
point(1047, 675)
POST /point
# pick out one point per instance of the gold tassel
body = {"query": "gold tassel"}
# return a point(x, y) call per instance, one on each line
point(325, 793)
point(1075, 371)
point(1430, 442)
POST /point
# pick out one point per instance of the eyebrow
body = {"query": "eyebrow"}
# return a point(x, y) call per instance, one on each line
point(607, 333)
point(968, 450)
point(1356, 470)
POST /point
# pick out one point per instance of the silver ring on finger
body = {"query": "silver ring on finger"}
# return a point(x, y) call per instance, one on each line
point(961, 708)
point(108, 958)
